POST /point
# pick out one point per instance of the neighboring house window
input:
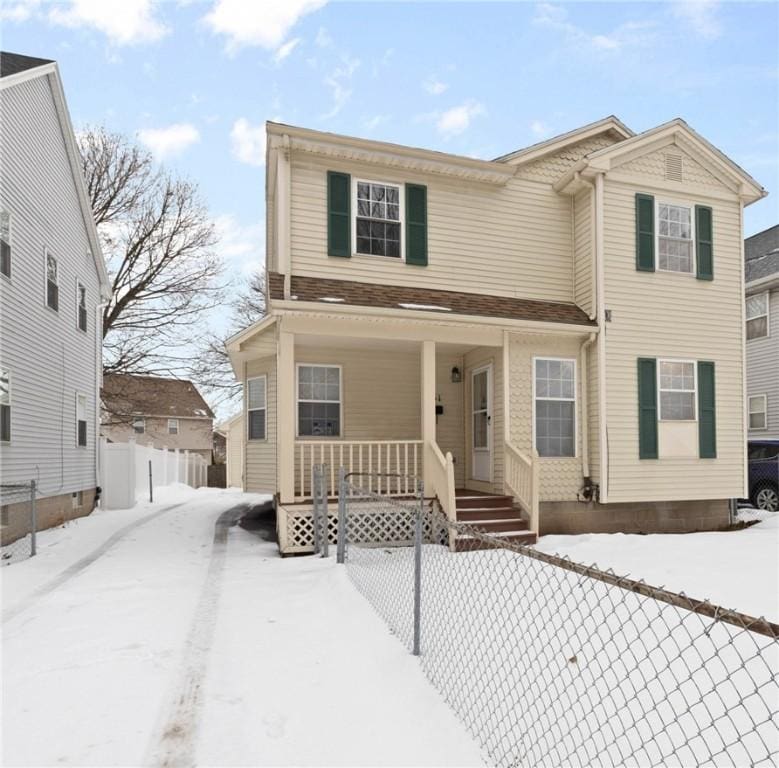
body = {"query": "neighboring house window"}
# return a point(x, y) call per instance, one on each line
point(52, 284)
point(81, 303)
point(757, 316)
point(758, 408)
point(674, 238)
point(139, 425)
point(256, 406)
point(5, 243)
point(319, 400)
point(173, 426)
point(677, 390)
point(81, 420)
point(378, 219)
point(555, 407)
point(5, 406)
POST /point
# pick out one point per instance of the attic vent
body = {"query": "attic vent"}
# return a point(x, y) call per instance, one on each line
point(673, 167)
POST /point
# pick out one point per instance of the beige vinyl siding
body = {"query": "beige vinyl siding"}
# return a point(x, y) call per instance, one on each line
point(662, 314)
point(560, 478)
point(235, 438)
point(512, 240)
point(763, 370)
point(653, 165)
point(260, 456)
point(450, 431)
point(550, 168)
point(582, 251)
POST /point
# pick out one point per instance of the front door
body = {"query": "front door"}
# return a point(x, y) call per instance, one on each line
point(481, 423)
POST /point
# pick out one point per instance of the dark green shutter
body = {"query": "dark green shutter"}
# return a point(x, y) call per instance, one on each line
point(339, 218)
point(645, 233)
point(704, 247)
point(707, 417)
point(416, 224)
point(647, 408)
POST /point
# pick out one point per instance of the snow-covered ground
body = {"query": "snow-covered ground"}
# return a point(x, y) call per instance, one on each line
point(734, 569)
point(137, 637)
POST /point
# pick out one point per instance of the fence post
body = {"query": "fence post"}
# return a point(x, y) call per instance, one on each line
point(33, 518)
point(151, 485)
point(176, 466)
point(325, 530)
point(342, 491)
point(316, 476)
point(418, 569)
point(164, 465)
point(132, 491)
point(186, 467)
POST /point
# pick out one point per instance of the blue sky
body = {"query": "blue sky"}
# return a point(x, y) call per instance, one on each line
point(195, 81)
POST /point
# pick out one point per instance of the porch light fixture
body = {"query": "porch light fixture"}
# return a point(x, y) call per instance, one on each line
point(456, 375)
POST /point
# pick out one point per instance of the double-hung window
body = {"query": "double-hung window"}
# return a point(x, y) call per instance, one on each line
point(256, 407)
point(139, 425)
point(52, 283)
point(677, 387)
point(5, 406)
point(675, 238)
point(81, 304)
point(5, 243)
point(319, 400)
point(173, 426)
point(758, 408)
point(555, 407)
point(81, 420)
point(378, 220)
point(757, 316)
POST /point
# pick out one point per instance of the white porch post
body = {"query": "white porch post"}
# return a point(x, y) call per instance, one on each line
point(285, 432)
point(428, 407)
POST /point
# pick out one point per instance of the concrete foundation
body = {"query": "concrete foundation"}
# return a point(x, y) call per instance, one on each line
point(50, 512)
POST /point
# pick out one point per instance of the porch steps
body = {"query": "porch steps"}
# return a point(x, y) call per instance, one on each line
point(494, 515)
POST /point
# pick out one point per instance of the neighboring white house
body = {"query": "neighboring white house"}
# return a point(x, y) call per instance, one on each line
point(52, 283)
point(233, 432)
point(761, 252)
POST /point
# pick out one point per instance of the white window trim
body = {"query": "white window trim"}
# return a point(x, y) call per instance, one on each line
point(177, 427)
point(79, 284)
point(132, 424)
point(10, 406)
point(764, 398)
point(694, 258)
point(264, 407)
point(694, 363)
point(767, 315)
point(340, 402)
point(574, 400)
point(46, 254)
point(402, 221)
point(85, 419)
point(10, 244)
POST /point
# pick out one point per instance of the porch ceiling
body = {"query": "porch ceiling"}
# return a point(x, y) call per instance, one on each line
point(304, 340)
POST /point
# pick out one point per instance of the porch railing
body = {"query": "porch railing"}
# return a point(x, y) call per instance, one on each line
point(402, 458)
point(440, 478)
point(521, 478)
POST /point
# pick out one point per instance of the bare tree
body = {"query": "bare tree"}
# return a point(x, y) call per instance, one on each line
point(159, 243)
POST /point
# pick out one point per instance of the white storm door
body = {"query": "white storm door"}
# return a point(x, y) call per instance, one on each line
point(481, 423)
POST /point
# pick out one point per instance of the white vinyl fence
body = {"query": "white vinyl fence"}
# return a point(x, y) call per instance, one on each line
point(125, 471)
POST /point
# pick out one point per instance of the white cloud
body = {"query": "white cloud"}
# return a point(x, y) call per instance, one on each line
point(539, 129)
point(339, 81)
point(284, 50)
point(701, 15)
point(263, 23)
point(124, 23)
point(434, 86)
point(371, 123)
point(241, 245)
point(248, 142)
point(457, 119)
point(169, 141)
point(18, 11)
point(323, 39)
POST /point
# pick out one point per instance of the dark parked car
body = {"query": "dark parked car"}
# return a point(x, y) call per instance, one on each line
point(763, 458)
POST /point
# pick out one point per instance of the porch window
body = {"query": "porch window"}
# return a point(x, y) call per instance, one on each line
point(757, 316)
point(677, 390)
point(256, 407)
point(674, 241)
point(555, 407)
point(319, 401)
point(378, 220)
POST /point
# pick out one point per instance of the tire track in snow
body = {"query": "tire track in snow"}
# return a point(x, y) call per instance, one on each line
point(173, 745)
point(80, 565)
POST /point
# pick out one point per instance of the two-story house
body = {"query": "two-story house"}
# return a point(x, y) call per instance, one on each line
point(157, 411)
point(52, 283)
point(560, 328)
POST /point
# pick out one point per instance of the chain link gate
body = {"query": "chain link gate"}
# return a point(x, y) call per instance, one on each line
point(549, 662)
point(18, 521)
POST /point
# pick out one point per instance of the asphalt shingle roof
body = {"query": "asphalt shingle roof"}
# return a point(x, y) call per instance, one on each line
point(13, 63)
point(761, 252)
point(126, 395)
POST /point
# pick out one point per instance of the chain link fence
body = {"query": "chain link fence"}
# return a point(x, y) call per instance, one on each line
point(18, 523)
point(551, 663)
point(764, 483)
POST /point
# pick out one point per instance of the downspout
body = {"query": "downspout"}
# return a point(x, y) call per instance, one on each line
point(586, 344)
point(98, 388)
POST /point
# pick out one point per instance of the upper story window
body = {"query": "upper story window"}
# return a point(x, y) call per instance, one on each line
point(757, 316)
point(139, 425)
point(81, 304)
point(674, 238)
point(555, 407)
point(173, 426)
point(378, 219)
point(52, 283)
point(5, 243)
point(319, 401)
point(5, 406)
point(677, 390)
point(81, 420)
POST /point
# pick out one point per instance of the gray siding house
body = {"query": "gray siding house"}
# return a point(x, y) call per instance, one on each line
point(761, 252)
point(52, 283)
